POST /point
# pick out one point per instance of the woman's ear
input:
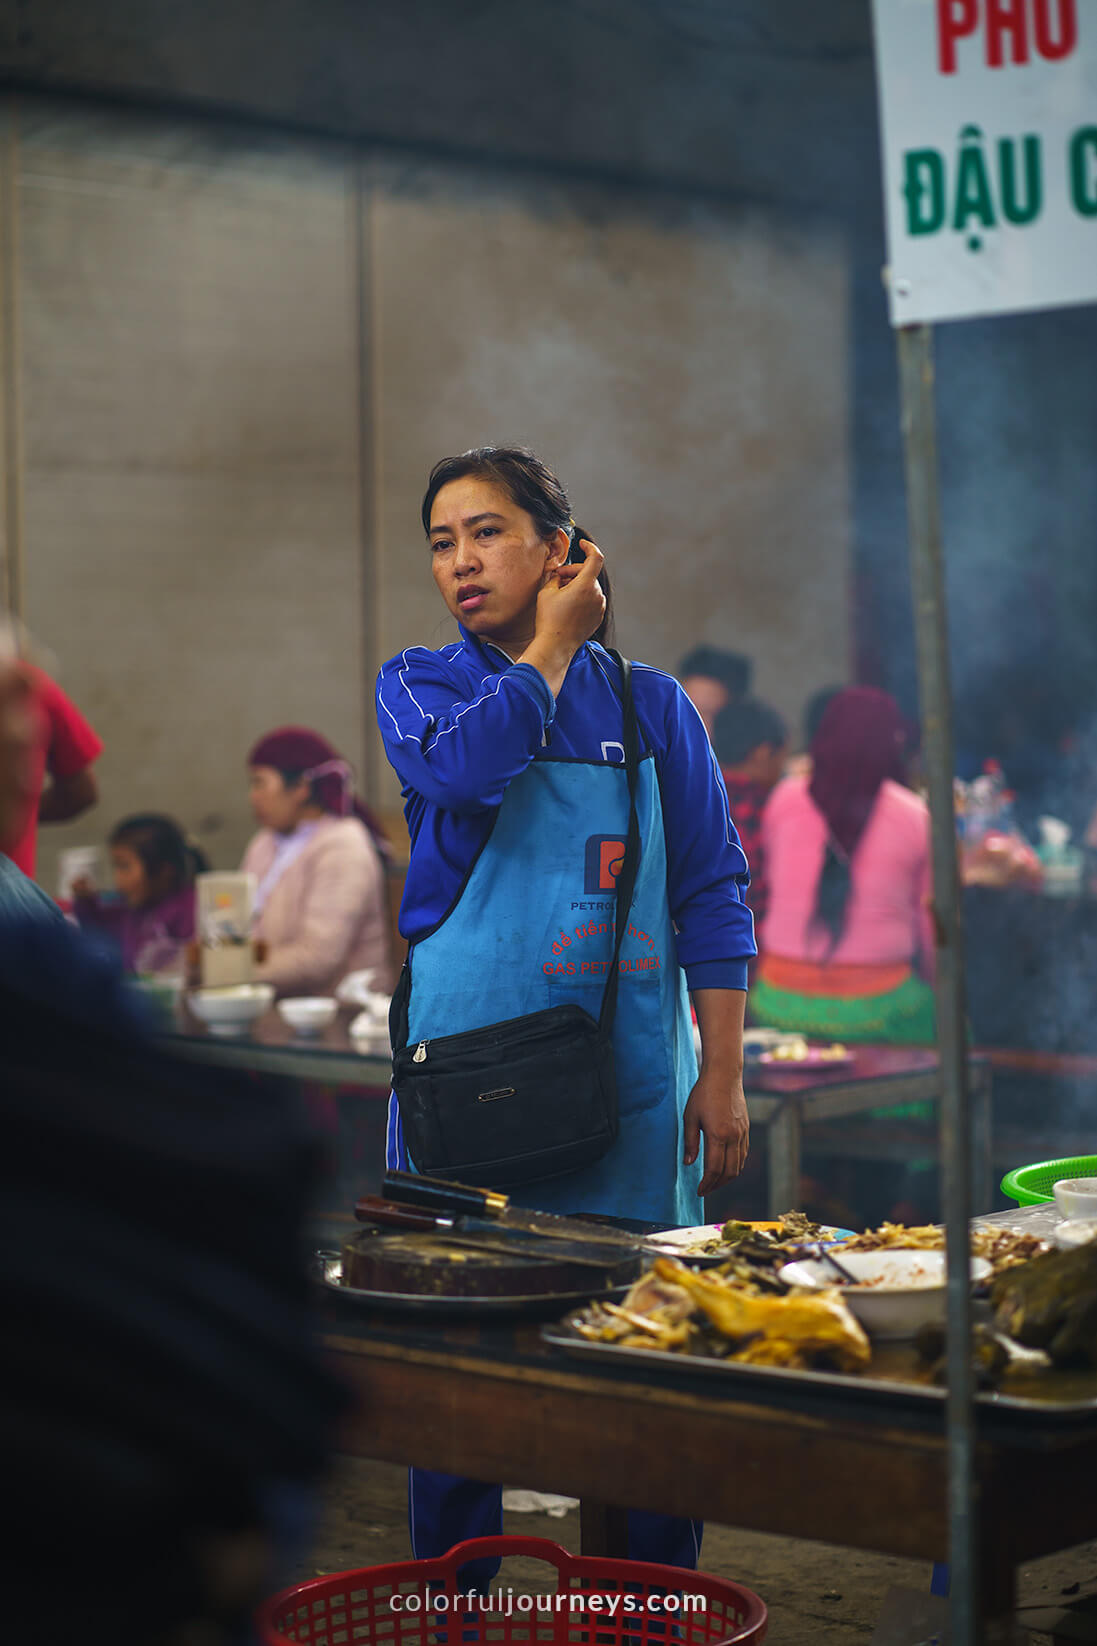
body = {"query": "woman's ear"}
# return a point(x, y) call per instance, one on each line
point(558, 546)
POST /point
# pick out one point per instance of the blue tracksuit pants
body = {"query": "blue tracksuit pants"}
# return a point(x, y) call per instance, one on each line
point(446, 1509)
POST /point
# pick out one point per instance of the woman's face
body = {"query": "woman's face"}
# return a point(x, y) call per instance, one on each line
point(488, 560)
point(273, 805)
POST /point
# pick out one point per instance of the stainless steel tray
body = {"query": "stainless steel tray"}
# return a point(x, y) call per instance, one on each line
point(1053, 1404)
point(327, 1268)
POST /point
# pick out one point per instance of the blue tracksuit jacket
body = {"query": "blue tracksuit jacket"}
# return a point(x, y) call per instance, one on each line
point(460, 723)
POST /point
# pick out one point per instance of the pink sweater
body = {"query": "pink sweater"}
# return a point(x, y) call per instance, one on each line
point(327, 914)
point(887, 921)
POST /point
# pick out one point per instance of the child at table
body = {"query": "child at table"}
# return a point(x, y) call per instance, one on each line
point(152, 917)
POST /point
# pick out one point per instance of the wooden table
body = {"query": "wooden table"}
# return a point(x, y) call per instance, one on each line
point(271, 1047)
point(350, 1115)
point(492, 1402)
point(783, 1100)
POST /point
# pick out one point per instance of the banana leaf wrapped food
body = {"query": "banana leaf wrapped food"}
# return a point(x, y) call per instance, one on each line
point(1050, 1303)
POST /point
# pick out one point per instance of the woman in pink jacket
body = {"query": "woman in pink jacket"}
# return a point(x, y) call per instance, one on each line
point(321, 902)
point(847, 942)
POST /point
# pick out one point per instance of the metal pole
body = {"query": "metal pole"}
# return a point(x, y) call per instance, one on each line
point(12, 570)
point(915, 344)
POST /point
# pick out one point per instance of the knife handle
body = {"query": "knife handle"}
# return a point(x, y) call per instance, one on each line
point(436, 1194)
point(388, 1214)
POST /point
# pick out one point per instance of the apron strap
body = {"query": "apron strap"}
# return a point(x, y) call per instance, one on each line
point(626, 880)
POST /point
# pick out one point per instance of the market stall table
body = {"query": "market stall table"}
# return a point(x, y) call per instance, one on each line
point(781, 1100)
point(345, 1082)
point(492, 1401)
point(270, 1046)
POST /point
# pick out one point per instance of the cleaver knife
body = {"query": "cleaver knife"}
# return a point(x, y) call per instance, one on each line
point(480, 1234)
point(489, 1206)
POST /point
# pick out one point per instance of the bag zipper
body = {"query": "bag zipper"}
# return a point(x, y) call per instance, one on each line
point(515, 1034)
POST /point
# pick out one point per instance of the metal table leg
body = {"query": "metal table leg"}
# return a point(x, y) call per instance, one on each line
point(603, 1529)
point(783, 1138)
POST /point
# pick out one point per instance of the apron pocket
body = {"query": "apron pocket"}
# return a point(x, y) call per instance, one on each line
point(644, 1077)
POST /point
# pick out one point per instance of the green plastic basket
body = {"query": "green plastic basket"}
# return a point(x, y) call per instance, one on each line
point(1032, 1185)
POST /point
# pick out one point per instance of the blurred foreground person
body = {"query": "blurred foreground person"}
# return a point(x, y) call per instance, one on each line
point(63, 750)
point(321, 901)
point(163, 1408)
point(19, 896)
point(152, 917)
point(847, 943)
point(751, 742)
point(712, 679)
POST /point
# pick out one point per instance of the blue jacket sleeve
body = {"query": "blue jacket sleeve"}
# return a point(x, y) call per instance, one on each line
point(707, 871)
point(458, 746)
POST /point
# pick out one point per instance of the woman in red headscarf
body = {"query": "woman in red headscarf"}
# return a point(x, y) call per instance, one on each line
point(321, 903)
point(847, 945)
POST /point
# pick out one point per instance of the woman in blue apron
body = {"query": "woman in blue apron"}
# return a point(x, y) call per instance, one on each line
point(508, 745)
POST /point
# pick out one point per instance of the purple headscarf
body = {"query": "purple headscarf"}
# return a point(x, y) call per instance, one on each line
point(297, 751)
point(861, 741)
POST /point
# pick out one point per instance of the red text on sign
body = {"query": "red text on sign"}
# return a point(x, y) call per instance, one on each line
point(1013, 31)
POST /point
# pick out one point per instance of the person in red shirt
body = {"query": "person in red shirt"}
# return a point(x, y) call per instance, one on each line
point(64, 750)
point(751, 741)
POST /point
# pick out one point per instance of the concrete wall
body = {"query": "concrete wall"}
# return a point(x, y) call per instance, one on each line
point(683, 371)
point(239, 355)
point(759, 100)
point(190, 430)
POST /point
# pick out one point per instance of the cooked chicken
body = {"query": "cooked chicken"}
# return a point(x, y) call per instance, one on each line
point(776, 1331)
point(1001, 1247)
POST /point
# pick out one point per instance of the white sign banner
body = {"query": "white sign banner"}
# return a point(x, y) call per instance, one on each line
point(988, 115)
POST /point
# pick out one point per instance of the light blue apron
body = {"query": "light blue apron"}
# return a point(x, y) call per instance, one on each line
point(534, 927)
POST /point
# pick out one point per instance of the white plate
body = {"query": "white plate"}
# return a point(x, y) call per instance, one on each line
point(1076, 1231)
point(688, 1242)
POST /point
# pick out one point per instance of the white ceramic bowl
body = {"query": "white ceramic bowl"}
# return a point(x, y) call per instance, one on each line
point(898, 1293)
point(1078, 1231)
point(308, 1014)
point(1076, 1196)
point(229, 1011)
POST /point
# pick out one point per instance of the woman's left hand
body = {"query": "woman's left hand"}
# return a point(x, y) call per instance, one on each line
point(717, 1111)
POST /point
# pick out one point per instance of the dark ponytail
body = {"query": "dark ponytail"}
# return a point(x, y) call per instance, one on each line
point(833, 894)
point(531, 485)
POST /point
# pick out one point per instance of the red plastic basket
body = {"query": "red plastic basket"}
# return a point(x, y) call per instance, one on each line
point(597, 1602)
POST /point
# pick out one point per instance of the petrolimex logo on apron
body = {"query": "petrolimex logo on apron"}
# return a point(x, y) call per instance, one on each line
point(605, 854)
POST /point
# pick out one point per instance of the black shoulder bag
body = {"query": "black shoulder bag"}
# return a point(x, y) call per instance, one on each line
point(531, 1097)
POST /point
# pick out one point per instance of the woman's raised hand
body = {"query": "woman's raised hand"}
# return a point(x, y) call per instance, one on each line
point(570, 607)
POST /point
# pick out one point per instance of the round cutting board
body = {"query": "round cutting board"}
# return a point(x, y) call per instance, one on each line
point(427, 1266)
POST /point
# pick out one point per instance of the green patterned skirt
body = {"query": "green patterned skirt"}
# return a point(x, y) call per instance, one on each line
point(904, 1016)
